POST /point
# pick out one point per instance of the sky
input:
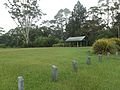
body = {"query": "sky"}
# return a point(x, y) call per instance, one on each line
point(50, 7)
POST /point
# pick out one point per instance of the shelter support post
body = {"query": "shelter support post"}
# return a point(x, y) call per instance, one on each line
point(77, 44)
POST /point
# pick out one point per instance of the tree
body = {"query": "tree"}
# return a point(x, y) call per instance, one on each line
point(94, 13)
point(106, 8)
point(62, 16)
point(25, 13)
point(13, 38)
point(91, 30)
point(58, 24)
point(117, 24)
point(61, 19)
point(111, 8)
point(1, 30)
point(1, 35)
point(76, 21)
point(94, 24)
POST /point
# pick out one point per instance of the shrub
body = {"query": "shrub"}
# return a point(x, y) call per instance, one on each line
point(3, 46)
point(117, 42)
point(45, 41)
point(111, 47)
point(103, 46)
point(58, 45)
point(61, 45)
point(66, 44)
point(52, 40)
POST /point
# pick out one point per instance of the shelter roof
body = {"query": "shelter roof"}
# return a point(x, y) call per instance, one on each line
point(71, 39)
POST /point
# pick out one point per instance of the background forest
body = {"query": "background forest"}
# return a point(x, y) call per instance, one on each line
point(102, 21)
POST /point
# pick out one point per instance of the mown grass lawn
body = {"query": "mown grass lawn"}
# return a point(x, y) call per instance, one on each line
point(34, 64)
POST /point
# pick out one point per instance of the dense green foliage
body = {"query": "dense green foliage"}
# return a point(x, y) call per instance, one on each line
point(46, 41)
point(102, 21)
point(58, 45)
point(103, 46)
point(34, 64)
point(2, 46)
point(25, 14)
point(61, 44)
point(106, 45)
point(76, 21)
point(37, 38)
point(117, 42)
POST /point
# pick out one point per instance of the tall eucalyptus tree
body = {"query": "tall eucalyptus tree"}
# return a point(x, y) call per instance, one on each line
point(111, 8)
point(76, 21)
point(25, 13)
point(105, 5)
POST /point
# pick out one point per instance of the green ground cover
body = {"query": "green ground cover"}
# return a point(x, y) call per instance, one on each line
point(34, 64)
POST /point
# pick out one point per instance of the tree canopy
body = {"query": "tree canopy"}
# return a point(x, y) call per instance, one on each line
point(25, 13)
point(76, 21)
point(102, 21)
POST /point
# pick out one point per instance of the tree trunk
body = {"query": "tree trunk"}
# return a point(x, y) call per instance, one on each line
point(27, 36)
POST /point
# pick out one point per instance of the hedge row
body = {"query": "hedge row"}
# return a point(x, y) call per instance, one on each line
point(61, 45)
point(46, 41)
point(102, 46)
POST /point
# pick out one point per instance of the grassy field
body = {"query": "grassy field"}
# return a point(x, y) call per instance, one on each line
point(34, 64)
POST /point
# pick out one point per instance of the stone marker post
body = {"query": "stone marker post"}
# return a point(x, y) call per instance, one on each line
point(108, 54)
point(88, 61)
point(20, 83)
point(54, 73)
point(116, 53)
point(88, 53)
point(74, 65)
point(100, 57)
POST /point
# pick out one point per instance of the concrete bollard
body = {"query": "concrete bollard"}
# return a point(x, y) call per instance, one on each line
point(100, 57)
point(108, 55)
point(54, 73)
point(88, 61)
point(20, 83)
point(88, 53)
point(116, 53)
point(74, 65)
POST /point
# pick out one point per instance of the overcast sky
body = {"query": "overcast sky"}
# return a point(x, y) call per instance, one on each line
point(50, 7)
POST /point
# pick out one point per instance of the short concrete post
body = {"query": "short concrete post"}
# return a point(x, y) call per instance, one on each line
point(20, 83)
point(77, 44)
point(54, 73)
point(88, 61)
point(74, 65)
point(116, 53)
point(100, 57)
point(88, 53)
point(108, 54)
